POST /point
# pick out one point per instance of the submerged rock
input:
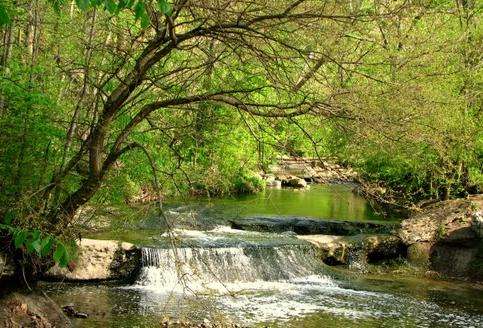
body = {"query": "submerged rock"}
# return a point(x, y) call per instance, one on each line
point(335, 250)
point(71, 312)
point(30, 310)
point(446, 237)
point(308, 226)
point(101, 260)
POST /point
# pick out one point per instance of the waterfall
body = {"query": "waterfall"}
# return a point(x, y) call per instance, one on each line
point(175, 269)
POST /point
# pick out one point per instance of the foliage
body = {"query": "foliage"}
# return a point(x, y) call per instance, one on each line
point(39, 244)
point(139, 7)
point(214, 92)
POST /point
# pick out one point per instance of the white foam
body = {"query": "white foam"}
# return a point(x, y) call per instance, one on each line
point(230, 230)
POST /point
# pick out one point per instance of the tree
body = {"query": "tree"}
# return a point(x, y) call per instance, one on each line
point(125, 78)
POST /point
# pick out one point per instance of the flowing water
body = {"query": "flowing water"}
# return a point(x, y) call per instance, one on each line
point(263, 279)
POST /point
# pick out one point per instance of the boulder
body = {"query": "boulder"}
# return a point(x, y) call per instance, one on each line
point(454, 221)
point(454, 261)
point(346, 250)
point(308, 226)
point(294, 167)
point(30, 310)
point(271, 181)
point(294, 182)
point(268, 178)
point(446, 237)
point(418, 253)
point(276, 184)
point(101, 260)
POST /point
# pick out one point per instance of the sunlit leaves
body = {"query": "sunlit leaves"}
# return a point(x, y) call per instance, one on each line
point(141, 14)
point(111, 6)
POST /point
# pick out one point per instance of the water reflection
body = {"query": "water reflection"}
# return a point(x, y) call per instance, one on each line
point(336, 202)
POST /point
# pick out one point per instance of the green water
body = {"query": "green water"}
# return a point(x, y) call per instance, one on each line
point(336, 202)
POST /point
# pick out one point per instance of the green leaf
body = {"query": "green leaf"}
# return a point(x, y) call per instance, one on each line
point(141, 14)
point(60, 255)
point(165, 7)
point(59, 252)
point(145, 21)
point(35, 234)
point(82, 4)
point(56, 4)
point(34, 246)
point(139, 10)
point(19, 238)
point(129, 3)
point(122, 4)
point(46, 246)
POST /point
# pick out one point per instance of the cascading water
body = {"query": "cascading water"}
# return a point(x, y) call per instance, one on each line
point(197, 269)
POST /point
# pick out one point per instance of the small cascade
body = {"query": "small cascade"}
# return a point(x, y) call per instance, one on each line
point(175, 269)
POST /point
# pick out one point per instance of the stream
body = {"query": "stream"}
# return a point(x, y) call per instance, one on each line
point(205, 270)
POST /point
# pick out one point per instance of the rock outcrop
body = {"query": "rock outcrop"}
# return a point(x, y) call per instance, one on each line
point(308, 226)
point(101, 260)
point(347, 250)
point(446, 237)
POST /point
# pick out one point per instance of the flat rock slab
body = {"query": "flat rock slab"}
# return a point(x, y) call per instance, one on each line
point(101, 260)
point(309, 226)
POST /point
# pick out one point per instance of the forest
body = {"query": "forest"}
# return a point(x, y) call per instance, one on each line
point(104, 102)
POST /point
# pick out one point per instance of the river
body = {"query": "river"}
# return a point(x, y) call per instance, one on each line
point(205, 270)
